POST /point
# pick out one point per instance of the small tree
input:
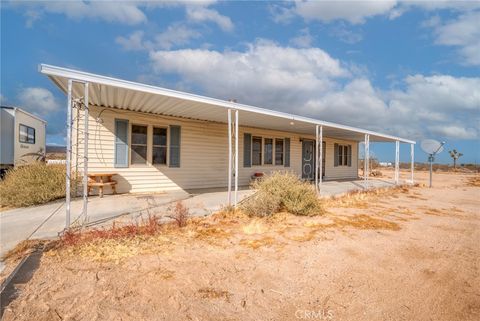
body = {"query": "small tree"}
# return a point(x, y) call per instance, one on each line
point(455, 155)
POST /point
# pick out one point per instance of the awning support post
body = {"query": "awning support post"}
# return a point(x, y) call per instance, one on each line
point(320, 149)
point(366, 160)
point(69, 154)
point(317, 189)
point(397, 162)
point(236, 159)
point(229, 114)
point(318, 158)
point(85, 154)
point(412, 161)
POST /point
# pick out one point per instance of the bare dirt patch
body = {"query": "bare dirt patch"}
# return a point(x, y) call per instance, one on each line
point(411, 254)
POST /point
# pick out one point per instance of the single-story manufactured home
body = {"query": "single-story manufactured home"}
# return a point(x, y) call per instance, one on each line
point(156, 139)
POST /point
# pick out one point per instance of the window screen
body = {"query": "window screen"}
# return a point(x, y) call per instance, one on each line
point(257, 151)
point(159, 148)
point(139, 144)
point(278, 151)
point(268, 151)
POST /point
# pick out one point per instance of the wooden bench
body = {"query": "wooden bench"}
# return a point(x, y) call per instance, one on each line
point(100, 180)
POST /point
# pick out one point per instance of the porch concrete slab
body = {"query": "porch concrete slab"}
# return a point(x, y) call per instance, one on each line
point(46, 221)
point(340, 187)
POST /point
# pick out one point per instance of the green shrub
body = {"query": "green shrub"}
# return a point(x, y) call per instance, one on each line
point(282, 191)
point(32, 184)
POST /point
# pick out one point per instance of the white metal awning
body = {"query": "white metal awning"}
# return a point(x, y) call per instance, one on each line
point(116, 93)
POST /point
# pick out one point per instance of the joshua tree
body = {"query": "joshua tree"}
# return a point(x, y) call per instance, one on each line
point(455, 155)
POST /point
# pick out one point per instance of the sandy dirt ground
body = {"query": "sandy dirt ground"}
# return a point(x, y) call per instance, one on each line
point(408, 254)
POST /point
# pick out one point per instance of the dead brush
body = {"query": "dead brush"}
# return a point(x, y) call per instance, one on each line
point(282, 191)
point(474, 181)
point(362, 198)
point(180, 214)
point(147, 227)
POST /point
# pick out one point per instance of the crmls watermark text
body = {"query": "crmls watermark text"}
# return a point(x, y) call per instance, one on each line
point(321, 314)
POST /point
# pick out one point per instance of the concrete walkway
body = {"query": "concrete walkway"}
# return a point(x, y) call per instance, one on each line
point(46, 221)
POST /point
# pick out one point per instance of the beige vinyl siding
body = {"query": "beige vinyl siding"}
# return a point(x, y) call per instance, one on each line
point(203, 153)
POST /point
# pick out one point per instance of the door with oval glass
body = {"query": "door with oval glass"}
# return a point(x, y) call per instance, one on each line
point(308, 159)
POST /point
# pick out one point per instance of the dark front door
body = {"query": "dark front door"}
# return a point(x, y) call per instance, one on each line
point(308, 159)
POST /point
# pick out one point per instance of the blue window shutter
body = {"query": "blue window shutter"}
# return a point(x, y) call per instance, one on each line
point(287, 152)
point(121, 143)
point(349, 157)
point(175, 137)
point(335, 155)
point(247, 150)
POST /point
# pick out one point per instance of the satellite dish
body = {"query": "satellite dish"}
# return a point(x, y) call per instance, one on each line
point(431, 146)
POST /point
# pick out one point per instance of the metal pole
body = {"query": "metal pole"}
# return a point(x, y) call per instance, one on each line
point(397, 159)
point(85, 154)
point(69, 154)
point(366, 160)
point(236, 158)
point(430, 159)
point(229, 114)
point(321, 160)
point(412, 161)
point(316, 159)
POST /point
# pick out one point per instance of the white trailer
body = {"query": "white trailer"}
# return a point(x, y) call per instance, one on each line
point(22, 137)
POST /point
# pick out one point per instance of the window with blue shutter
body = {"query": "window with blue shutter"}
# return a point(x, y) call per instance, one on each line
point(175, 137)
point(287, 152)
point(247, 150)
point(121, 143)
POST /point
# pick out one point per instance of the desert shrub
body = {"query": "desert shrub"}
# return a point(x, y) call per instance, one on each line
point(180, 214)
point(32, 184)
point(282, 191)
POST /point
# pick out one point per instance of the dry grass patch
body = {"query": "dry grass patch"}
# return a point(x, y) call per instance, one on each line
point(258, 243)
point(211, 293)
point(363, 198)
point(474, 181)
point(32, 185)
point(365, 222)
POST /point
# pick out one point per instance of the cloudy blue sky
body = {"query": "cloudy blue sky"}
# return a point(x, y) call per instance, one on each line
point(407, 68)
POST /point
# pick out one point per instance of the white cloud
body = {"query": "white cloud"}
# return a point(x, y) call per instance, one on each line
point(111, 11)
point(358, 11)
point(3, 99)
point(133, 42)
point(355, 12)
point(38, 100)
point(175, 35)
point(433, 105)
point(309, 82)
point(265, 73)
point(462, 32)
point(203, 14)
point(455, 131)
point(341, 32)
point(303, 40)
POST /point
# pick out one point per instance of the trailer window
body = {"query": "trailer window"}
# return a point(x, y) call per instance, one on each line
point(139, 144)
point(27, 134)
